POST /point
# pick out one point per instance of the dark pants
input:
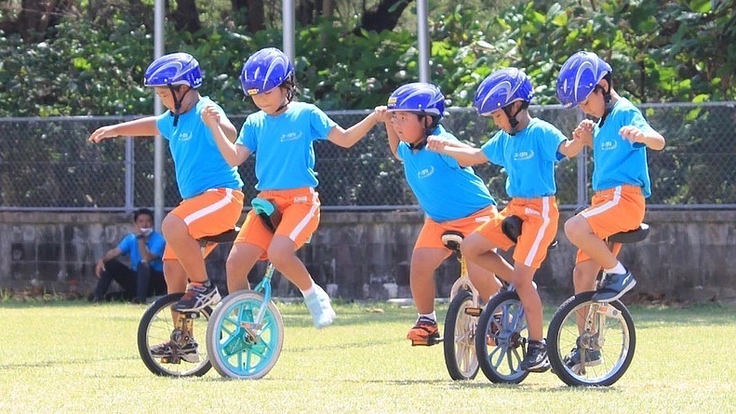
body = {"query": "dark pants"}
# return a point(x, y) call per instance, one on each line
point(136, 285)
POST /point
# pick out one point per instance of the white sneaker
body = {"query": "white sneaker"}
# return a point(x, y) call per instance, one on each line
point(319, 306)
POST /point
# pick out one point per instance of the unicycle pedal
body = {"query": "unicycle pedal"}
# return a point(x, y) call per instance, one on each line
point(473, 311)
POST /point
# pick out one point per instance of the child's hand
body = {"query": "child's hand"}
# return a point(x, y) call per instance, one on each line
point(584, 132)
point(102, 133)
point(631, 133)
point(382, 114)
point(210, 116)
point(435, 143)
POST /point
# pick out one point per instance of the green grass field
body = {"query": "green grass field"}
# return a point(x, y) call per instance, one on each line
point(71, 357)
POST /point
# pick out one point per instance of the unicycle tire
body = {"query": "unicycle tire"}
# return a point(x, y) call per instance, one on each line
point(616, 348)
point(459, 343)
point(234, 350)
point(156, 326)
point(501, 339)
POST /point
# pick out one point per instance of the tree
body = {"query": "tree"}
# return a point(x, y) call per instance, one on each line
point(384, 15)
point(35, 17)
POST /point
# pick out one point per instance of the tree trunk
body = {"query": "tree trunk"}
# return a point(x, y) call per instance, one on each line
point(305, 12)
point(186, 16)
point(383, 16)
point(252, 12)
point(34, 18)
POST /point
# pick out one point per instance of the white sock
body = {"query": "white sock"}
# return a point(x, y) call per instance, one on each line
point(309, 291)
point(619, 269)
point(432, 316)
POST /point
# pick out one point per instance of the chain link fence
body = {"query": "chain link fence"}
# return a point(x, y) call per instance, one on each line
point(48, 164)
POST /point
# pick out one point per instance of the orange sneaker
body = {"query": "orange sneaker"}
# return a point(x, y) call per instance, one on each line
point(425, 332)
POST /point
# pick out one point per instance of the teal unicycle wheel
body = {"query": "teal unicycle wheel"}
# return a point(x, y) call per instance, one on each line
point(245, 336)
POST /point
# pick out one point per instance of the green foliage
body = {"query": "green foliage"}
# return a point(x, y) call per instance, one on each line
point(685, 50)
point(674, 51)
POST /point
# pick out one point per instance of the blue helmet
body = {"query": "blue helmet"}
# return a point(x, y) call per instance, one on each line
point(579, 76)
point(266, 69)
point(501, 88)
point(174, 69)
point(418, 97)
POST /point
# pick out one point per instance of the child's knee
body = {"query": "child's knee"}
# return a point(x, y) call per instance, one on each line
point(574, 227)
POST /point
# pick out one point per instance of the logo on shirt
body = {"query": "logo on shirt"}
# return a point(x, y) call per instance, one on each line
point(300, 199)
point(609, 145)
point(185, 136)
point(426, 172)
point(291, 136)
point(523, 155)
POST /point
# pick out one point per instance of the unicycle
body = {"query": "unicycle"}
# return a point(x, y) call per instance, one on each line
point(157, 328)
point(502, 334)
point(166, 338)
point(600, 336)
point(461, 319)
point(246, 331)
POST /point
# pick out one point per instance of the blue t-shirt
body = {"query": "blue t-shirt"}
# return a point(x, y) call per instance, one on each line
point(445, 190)
point(198, 162)
point(155, 243)
point(529, 158)
point(283, 145)
point(617, 160)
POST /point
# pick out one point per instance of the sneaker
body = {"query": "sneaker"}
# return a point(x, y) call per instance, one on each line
point(614, 286)
point(189, 352)
point(424, 332)
point(592, 358)
point(535, 359)
point(197, 297)
point(319, 306)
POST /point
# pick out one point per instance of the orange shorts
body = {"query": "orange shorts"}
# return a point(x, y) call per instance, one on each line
point(540, 217)
point(431, 234)
point(299, 209)
point(612, 211)
point(208, 214)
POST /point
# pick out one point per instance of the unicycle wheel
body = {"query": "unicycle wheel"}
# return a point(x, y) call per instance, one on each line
point(459, 343)
point(156, 327)
point(237, 346)
point(609, 342)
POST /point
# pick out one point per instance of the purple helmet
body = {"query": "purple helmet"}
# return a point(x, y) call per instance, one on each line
point(418, 97)
point(579, 76)
point(501, 88)
point(266, 69)
point(174, 69)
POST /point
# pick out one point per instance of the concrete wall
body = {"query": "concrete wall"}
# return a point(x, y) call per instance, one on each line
point(689, 255)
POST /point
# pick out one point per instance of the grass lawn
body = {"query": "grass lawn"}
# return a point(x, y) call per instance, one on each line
point(71, 357)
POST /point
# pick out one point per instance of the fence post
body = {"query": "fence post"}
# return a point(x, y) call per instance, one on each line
point(129, 174)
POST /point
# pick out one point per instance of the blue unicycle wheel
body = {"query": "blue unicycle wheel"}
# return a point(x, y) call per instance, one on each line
point(240, 344)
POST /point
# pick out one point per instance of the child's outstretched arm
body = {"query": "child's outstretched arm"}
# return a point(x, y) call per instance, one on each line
point(648, 137)
point(346, 138)
point(463, 153)
point(233, 154)
point(571, 147)
point(143, 127)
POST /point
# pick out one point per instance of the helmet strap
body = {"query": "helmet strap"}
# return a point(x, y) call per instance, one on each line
point(512, 117)
point(177, 101)
point(289, 86)
point(428, 129)
point(606, 98)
